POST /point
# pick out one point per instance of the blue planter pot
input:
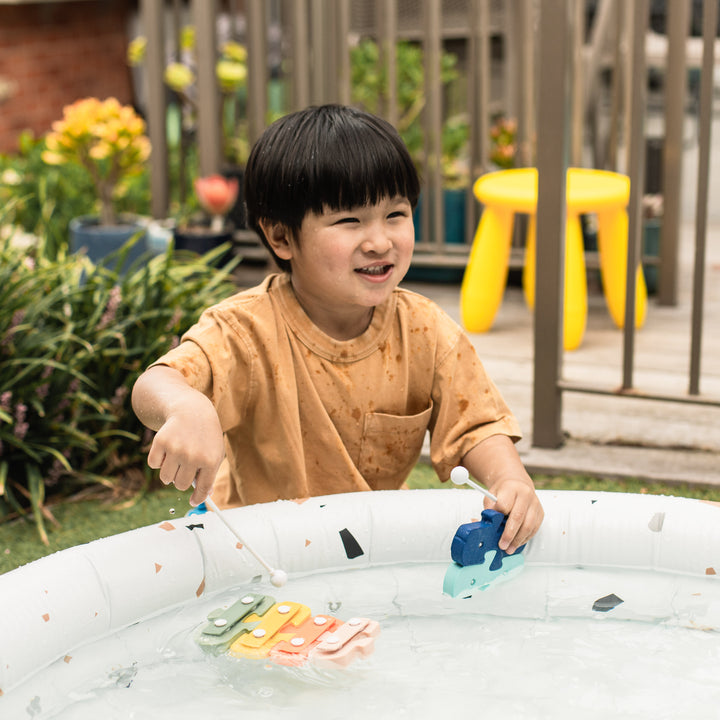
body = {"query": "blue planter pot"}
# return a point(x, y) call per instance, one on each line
point(201, 240)
point(99, 242)
point(454, 206)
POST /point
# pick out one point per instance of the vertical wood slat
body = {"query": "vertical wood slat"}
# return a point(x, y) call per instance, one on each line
point(152, 12)
point(209, 134)
point(678, 15)
point(478, 104)
point(300, 53)
point(317, 51)
point(257, 68)
point(553, 111)
point(616, 92)
point(526, 83)
point(636, 170)
point(388, 54)
point(433, 117)
point(342, 80)
point(183, 140)
point(578, 41)
point(710, 17)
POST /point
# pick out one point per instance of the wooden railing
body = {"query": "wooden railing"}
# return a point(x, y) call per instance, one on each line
point(577, 83)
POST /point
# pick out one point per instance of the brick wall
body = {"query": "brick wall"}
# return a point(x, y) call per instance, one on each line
point(54, 53)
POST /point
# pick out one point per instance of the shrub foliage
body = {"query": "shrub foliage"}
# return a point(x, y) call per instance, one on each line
point(74, 337)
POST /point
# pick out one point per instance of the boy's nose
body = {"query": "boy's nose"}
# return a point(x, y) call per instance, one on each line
point(377, 241)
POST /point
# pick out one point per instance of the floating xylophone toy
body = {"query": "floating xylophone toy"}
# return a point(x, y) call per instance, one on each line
point(285, 633)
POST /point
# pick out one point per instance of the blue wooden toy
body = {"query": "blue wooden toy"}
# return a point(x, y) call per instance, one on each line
point(473, 540)
point(465, 580)
point(478, 560)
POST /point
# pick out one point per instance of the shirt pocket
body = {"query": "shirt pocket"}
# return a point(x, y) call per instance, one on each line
point(390, 447)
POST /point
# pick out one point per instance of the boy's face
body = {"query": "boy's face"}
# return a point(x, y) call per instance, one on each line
point(345, 262)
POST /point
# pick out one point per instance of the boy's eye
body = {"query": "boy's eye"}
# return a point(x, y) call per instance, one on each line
point(398, 213)
point(345, 220)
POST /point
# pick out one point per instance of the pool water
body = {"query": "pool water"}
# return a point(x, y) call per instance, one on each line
point(502, 653)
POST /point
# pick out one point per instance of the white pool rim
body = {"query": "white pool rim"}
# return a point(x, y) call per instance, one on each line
point(80, 595)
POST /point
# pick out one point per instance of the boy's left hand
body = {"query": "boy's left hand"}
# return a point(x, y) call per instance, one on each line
point(495, 463)
point(518, 501)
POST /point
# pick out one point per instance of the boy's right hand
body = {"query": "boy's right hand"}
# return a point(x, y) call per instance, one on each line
point(189, 444)
point(189, 448)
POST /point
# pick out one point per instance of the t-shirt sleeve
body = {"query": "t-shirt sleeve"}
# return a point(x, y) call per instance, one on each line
point(211, 357)
point(192, 363)
point(468, 408)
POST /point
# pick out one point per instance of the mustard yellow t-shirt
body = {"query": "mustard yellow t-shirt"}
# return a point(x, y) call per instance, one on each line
point(305, 414)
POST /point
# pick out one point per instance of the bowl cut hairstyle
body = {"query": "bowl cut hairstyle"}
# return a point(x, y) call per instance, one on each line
point(330, 156)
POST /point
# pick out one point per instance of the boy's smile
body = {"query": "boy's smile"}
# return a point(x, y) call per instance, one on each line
point(346, 262)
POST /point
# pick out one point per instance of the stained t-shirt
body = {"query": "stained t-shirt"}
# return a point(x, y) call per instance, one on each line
point(305, 414)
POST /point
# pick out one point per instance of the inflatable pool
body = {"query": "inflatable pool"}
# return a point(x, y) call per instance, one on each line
point(615, 613)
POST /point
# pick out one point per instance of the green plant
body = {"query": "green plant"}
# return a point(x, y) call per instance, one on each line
point(39, 199)
point(105, 138)
point(369, 79)
point(73, 339)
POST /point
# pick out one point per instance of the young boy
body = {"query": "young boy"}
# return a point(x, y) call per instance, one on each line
point(326, 377)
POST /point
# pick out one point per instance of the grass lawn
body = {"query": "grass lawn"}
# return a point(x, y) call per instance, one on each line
point(81, 522)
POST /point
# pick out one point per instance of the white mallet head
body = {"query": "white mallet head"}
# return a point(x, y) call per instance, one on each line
point(459, 475)
point(278, 578)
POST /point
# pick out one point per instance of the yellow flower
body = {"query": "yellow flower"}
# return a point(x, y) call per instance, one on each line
point(136, 51)
point(187, 38)
point(178, 77)
point(106, 138)
point(231, 75)
point(235, 51)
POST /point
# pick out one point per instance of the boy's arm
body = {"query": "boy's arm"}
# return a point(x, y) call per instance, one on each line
point(495, 463)
point(188, 445)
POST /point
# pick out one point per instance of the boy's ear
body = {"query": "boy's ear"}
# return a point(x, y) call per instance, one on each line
point(279, 238)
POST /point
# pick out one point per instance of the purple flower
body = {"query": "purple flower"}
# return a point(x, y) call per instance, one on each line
point(118, 398)
point(17, 318)
point(20, 412)
point(5, 400)
point(174, 320)
point(111, 308)
point(55, 473)
point(21, 427)
point(20, 430)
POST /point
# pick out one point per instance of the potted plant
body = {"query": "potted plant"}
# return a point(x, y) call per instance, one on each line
point(217, 195)
point(108, 141)
point(231, 74)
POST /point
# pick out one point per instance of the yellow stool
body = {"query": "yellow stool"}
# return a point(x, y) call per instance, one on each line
point(506, 192)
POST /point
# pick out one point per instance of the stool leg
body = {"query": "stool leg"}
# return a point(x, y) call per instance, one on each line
point(612, 246)
point(575, 297)
point(528, 273)
point(485, 276)
point(575, 284)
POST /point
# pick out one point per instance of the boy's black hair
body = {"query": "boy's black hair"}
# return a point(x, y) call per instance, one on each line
point(324, 156)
